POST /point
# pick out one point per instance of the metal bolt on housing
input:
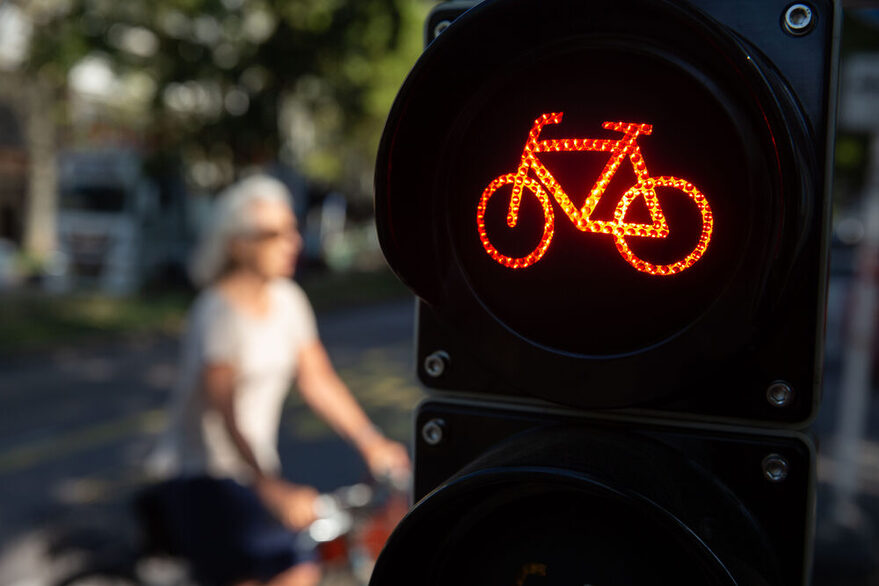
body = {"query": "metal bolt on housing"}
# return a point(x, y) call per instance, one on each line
point(440, 27)
point(432, 432)
point(435, 363)
point(779, 394)
point(775, 468)
point(798, 19)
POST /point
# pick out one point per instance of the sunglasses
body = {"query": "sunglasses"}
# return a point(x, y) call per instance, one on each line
point(269, 234)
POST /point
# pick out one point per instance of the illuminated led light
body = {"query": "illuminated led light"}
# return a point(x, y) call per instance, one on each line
point(548, 225)
point(618, 228)
point(704, 238)
point(530, 570)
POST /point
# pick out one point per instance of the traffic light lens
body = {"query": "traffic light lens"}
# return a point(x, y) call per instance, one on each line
point(606, 208)
point(505, 525)
point(566, 537)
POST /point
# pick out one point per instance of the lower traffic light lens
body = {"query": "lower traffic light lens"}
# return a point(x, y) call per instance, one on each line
point(558, 535)
point(544, 527)
point(574, 505)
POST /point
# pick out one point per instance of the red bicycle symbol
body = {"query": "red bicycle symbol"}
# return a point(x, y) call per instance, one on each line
point(618, 228)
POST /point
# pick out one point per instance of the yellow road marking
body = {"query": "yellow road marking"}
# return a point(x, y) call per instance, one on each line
point(22, 457)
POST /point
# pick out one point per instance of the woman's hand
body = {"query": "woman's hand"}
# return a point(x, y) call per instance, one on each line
point(292, 504)
point(388, 460)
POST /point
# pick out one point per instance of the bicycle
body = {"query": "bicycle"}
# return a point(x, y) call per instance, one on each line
point(618, 228)
point(353, 523)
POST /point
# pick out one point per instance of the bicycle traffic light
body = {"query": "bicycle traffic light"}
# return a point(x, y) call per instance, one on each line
point(614, 215)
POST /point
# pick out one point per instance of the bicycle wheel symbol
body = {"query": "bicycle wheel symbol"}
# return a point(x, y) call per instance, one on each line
point(704, 237)
point(534, 187)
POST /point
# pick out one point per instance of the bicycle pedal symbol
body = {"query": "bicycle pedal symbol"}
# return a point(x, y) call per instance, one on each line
point(618, 228)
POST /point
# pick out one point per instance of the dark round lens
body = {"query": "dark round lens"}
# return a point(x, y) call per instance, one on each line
point(560, 538)
point(596, 290)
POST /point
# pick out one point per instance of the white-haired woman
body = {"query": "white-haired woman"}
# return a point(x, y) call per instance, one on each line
point(250, 332)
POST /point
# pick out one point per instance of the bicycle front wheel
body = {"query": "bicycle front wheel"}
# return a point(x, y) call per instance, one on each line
point(532, 186)
point(696, 197)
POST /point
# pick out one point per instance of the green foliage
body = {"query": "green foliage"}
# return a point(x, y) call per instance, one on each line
point(222, 71)
point(37, 321)
point(858, 34)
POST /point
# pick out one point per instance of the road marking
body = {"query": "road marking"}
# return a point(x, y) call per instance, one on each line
point(28, 456)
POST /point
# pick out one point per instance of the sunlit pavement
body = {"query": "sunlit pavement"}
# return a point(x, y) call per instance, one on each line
point(76, 423)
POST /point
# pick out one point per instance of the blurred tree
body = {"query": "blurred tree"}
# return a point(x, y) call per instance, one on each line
point(239, 82)
point(861, 35)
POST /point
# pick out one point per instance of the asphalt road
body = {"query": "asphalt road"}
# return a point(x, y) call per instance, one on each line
point(77, 422)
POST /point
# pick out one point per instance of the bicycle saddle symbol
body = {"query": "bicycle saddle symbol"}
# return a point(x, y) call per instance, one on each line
point(618, 228)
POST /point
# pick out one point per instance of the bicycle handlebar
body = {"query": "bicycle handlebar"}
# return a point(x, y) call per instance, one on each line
point(336, 510)
point(628, 127)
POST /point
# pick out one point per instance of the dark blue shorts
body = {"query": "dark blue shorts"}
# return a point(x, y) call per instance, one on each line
point(223, 530)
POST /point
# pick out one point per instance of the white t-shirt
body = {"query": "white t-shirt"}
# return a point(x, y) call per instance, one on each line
point(263, 351)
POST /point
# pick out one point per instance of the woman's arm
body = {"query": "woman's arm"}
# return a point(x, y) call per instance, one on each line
point(330, 398)
point(218, 382)
point(292, 504)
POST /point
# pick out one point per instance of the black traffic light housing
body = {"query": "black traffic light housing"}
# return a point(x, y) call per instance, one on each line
point(738, 105)
point(614, 215)
point(508, 486)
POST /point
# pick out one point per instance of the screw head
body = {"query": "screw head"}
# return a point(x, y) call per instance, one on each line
point(432, 432)
point(435, 363)
point(798, 19)
point(775, 468)
point(779, 394)
point(440, 27)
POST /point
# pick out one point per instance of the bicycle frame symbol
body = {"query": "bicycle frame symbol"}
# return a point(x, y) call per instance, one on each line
point(618, 228)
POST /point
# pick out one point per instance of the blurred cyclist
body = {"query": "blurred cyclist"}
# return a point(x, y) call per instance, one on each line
point(251, 332)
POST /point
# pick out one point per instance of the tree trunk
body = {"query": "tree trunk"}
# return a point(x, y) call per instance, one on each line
point(32, 103)
point(42, 197)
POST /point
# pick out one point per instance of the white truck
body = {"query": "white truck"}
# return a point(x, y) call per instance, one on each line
point(117, 228)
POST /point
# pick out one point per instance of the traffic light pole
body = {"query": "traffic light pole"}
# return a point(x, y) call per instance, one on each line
point(854, 399)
